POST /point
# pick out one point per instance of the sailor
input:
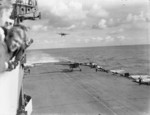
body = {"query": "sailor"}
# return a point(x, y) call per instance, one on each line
point(14, 41)
point(140, 80)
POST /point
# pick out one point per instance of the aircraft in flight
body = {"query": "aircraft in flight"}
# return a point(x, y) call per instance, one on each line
point(63, 34)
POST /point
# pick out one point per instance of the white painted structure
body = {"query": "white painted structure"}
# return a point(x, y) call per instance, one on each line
point(10, 87)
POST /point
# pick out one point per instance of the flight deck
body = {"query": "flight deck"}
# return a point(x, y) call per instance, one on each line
point(55, 91)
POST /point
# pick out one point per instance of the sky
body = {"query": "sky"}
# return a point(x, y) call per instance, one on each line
point(90, 23)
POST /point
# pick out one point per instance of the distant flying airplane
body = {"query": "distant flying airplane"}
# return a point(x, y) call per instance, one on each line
point(71, 65)
point(63, 34)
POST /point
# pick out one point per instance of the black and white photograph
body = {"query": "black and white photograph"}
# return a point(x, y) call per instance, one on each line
point(74, 57)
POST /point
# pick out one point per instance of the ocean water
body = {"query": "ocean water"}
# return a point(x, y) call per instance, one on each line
point(134, 59)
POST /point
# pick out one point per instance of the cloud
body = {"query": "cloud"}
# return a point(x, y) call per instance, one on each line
point(74, 8)
point(39, 27)
point(68, 28)
point(97, 11)
point(46, 41)
point(117, 31)
point(100, 14)
point(91, 40)
point(86, 40)
point(109, 39)
point(134, 18)
point(97, 38)
point(5, 4)
point(115, 22)
point(128, 19)
point(57, 21)
point(148, 16)
point(111, 21)
point(78, 40)
point(100, 39)
point(71, 27)
point(106, 3)
point(121, 37)
point(102, 24)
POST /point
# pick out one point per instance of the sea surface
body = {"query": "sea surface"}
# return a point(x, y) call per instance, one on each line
point(134, 59)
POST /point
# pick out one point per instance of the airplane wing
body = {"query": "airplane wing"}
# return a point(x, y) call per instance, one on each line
point(63, 63)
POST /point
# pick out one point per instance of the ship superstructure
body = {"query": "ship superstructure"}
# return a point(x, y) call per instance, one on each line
point(13, 101)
